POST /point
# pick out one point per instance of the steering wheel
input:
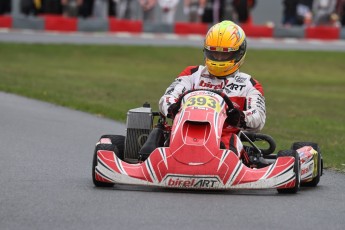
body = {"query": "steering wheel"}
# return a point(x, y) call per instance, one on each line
point(227, 100)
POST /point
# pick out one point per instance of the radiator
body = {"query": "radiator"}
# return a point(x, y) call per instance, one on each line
point(139, 125)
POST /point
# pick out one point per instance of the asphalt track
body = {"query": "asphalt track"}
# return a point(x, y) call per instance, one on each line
point(45, 178)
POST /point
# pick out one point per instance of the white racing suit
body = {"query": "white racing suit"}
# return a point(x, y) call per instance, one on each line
point(245, 92)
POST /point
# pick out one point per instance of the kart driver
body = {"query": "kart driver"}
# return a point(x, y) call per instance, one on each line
point(225, 48)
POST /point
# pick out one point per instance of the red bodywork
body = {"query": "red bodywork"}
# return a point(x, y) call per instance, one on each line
point(194, 159)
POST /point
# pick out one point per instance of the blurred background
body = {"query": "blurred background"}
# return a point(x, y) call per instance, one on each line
point(272, 13)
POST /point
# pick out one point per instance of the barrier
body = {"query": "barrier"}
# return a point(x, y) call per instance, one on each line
point(322, 32)
point(93, 25)
point(256, 31)
point(64, 24)
point(5, 21)
point(184, 28)
point(132, 26)
point(33, 23)
point(342, 33)
point(59, 23)
point(288, 32)
point(157, 28)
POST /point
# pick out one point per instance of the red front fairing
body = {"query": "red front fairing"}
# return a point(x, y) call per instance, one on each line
point(194, 159)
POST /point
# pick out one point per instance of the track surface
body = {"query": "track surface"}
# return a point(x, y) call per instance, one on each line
point(45, 177)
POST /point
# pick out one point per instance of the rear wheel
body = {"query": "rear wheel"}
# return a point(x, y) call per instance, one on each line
point(109, 147)
point(297, 169)
point(316, 180)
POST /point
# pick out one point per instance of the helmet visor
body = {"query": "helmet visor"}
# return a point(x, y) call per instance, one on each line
point(216, 55)
point(221, 56)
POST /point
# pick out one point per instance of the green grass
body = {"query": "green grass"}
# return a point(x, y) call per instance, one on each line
point(304, 90)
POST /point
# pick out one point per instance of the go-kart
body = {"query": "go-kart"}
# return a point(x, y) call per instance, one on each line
point(189, 153)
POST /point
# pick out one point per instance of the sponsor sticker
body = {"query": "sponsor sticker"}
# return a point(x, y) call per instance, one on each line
point(205, 84)
point(240, 79)
point(233, 86)
point(182, 181)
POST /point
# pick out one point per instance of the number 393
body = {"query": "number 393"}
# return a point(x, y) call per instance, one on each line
point(203, 101)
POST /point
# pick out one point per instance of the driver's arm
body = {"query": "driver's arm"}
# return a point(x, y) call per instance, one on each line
point(178, 87)
point(255, 115)
point(182, 83)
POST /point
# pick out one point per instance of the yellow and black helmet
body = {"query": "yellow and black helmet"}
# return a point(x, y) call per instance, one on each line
point(224, 48)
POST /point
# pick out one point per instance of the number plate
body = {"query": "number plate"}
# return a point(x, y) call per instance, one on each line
point(203, 101)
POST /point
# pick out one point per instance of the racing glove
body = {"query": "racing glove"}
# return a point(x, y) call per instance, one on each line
point(235, 118)
point(172, 110)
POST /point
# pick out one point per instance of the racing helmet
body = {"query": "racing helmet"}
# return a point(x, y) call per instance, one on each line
point(225, 47)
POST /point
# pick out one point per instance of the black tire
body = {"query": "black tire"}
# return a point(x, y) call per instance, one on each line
point(297, 170)
point(316, 180)
point(109, 147)
point(119, 142)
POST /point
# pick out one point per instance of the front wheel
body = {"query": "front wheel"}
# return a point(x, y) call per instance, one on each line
point(314, 182)
point(109, 147)
point(119, 142)
point(297, 170)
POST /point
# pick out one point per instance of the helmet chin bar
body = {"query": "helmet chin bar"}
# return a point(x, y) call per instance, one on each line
point(226, 72)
